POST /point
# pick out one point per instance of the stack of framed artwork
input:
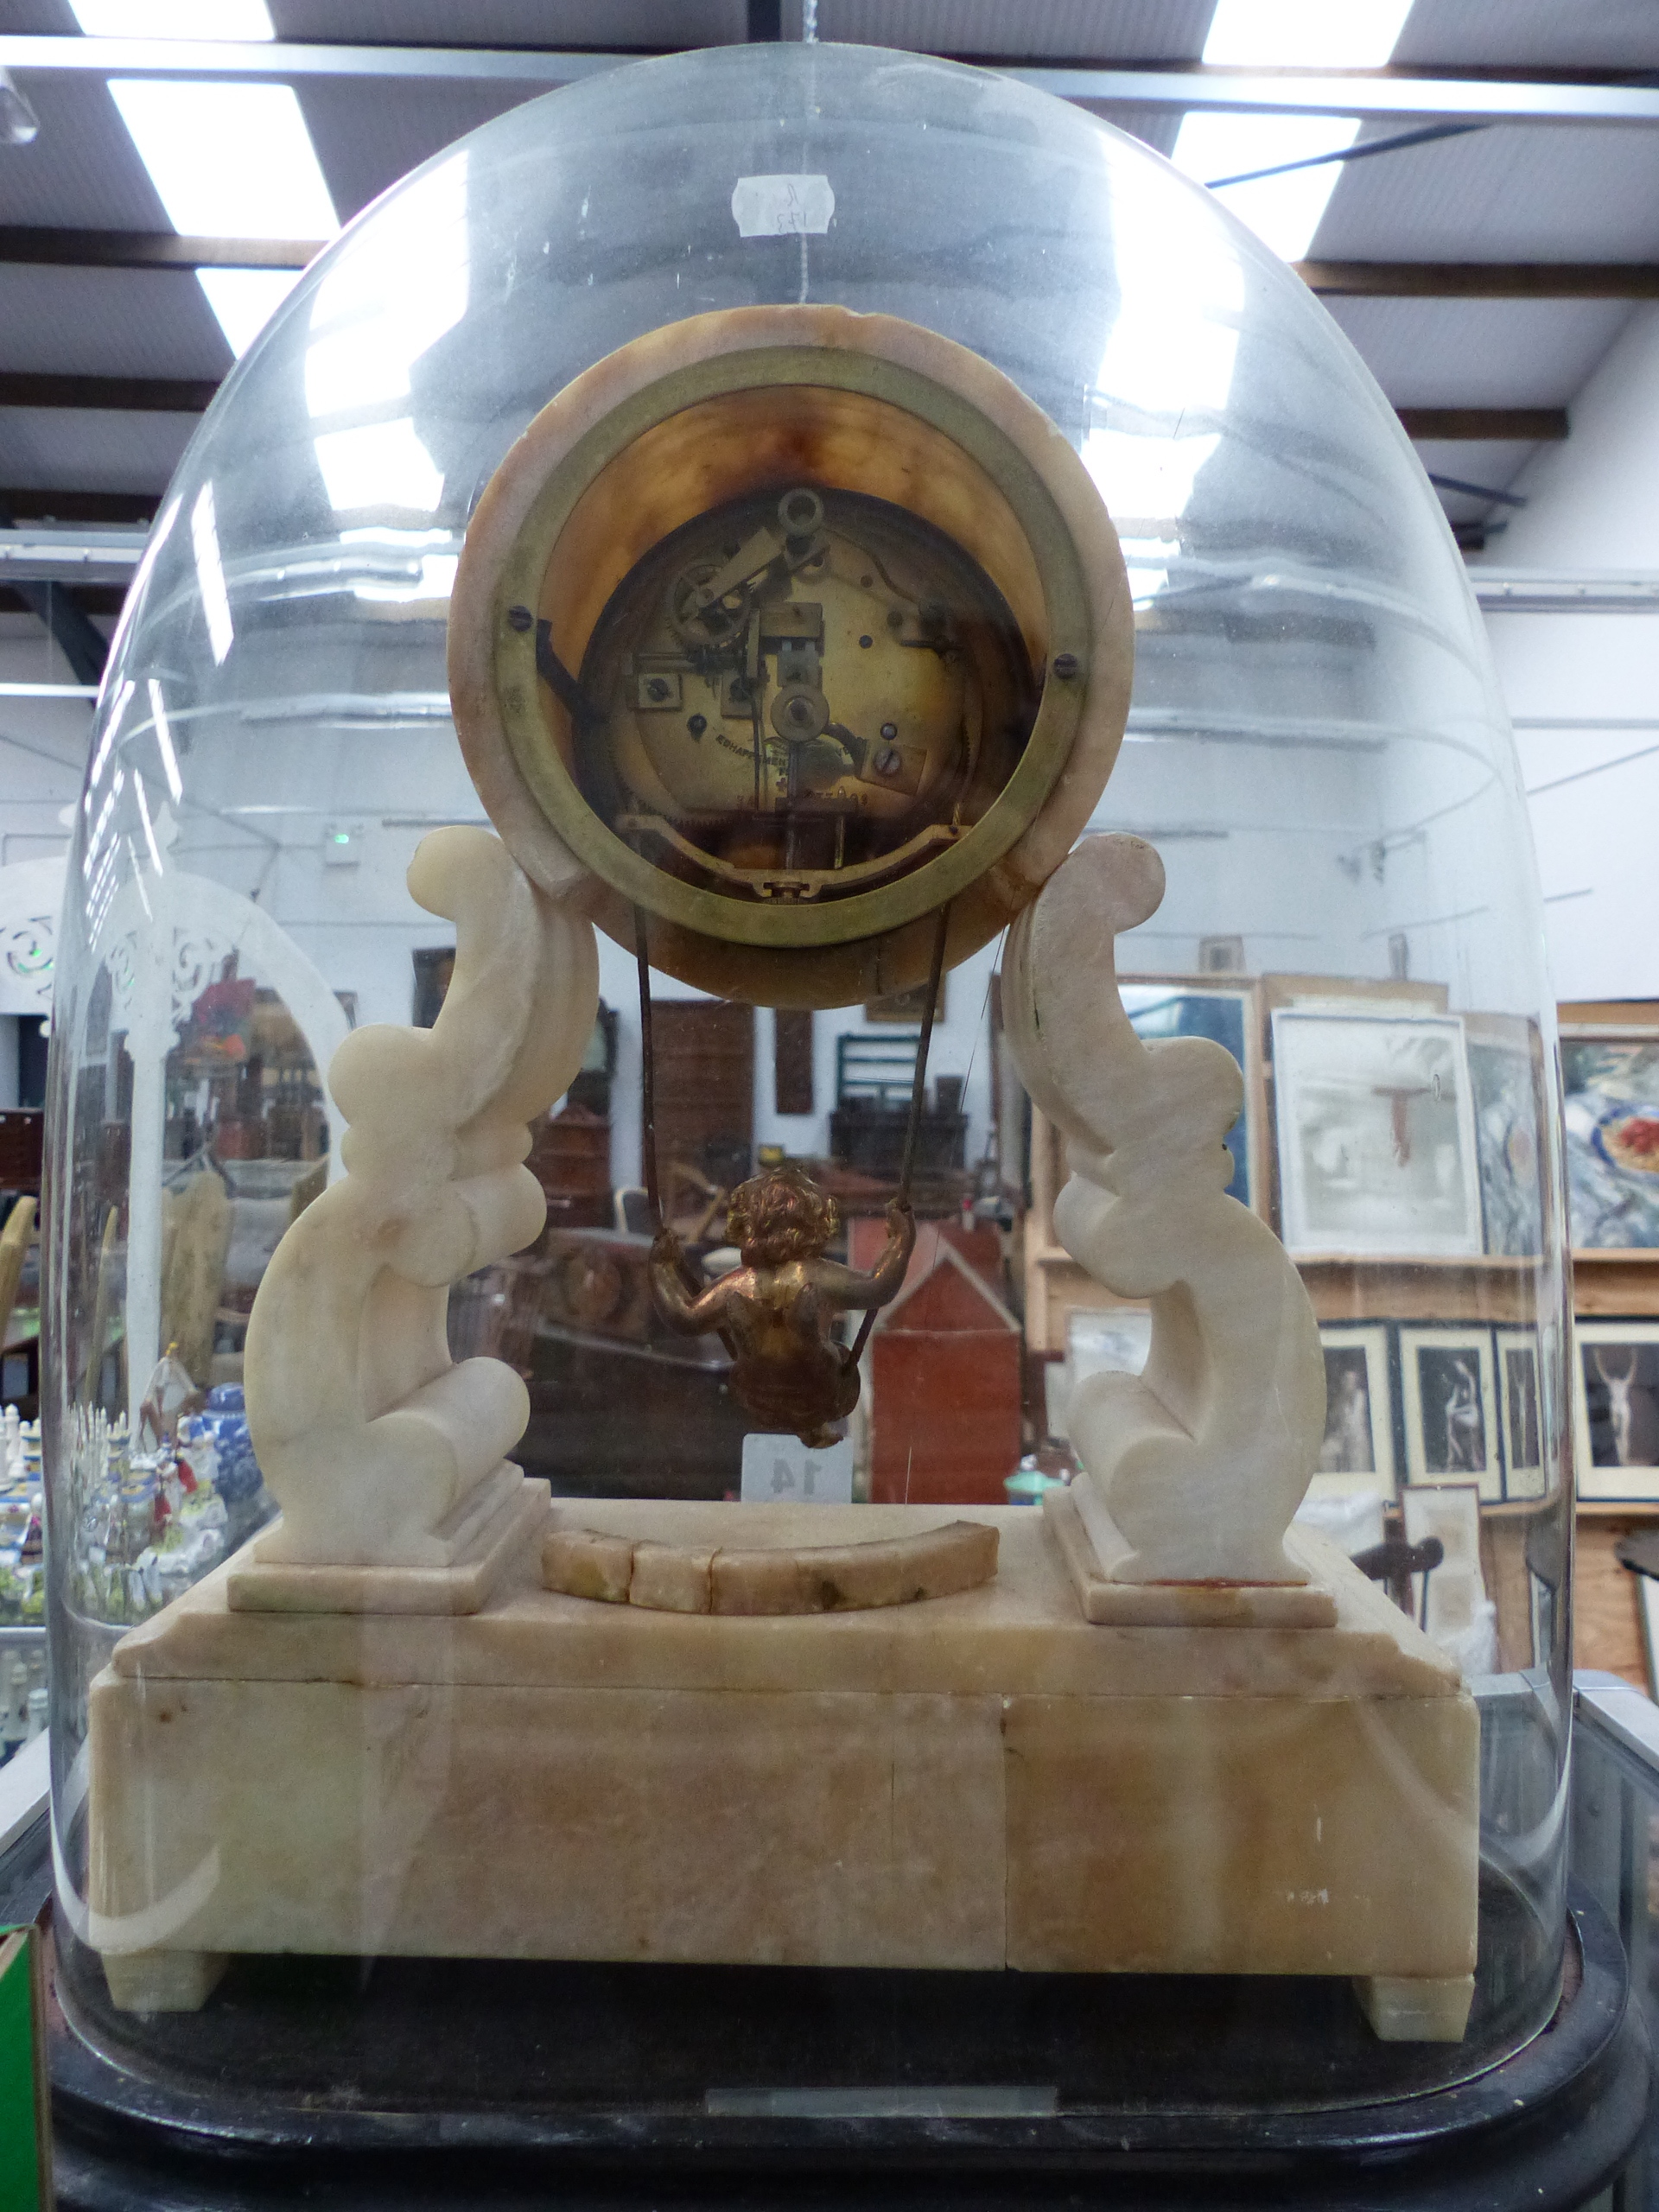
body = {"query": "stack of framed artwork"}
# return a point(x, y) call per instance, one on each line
point(1396, 1147)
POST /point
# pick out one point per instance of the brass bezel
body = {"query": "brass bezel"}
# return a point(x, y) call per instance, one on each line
point(863, 914)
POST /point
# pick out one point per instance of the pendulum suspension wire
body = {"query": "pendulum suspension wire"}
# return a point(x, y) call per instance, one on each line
point(647, 1074)
point(918, 1091)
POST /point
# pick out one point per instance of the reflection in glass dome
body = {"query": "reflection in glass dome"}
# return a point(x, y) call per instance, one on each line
point(1314, 745)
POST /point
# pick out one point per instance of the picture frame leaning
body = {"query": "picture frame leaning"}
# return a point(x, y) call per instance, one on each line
point(1356, 1452)
point(1520, 1407)
point(1374, 1120)
point(1448, 1394)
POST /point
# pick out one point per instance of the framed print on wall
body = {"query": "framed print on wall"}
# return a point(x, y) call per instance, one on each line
point(1356, 1452)
point(1376, 1135)
point(1448, 1392)
point(1617, 1411)
point(1163, 1007)
point(1609, 1113)
point(1519, 1413)
point(1506, 1085)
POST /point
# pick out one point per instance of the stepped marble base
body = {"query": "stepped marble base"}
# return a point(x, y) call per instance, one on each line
point(982, 1779)
point(1177, 1605)
point(485, 1536)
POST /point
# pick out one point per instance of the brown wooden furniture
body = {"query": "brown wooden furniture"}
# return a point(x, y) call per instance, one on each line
point(704, 1051)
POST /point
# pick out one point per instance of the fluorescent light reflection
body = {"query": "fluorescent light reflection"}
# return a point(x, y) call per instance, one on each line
point(1305, 33)
point(203, 19)
point(210, 575)
point(386, 302)
point(379, 465)
point(245, 300)
point(1164, 380)
point(164, 742)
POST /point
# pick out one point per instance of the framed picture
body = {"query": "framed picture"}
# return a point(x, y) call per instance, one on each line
point(1519, 1413)
point(1165, 1007)
point(1376, 1135)
point(1357, 1450)
point(1610, 1109)
point(1617, 1410)
point(1448, 1394)
point(1505, 1084)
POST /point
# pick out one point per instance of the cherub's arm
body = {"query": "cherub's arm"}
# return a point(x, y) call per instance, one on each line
point(695, 1313)
point(846, 1287)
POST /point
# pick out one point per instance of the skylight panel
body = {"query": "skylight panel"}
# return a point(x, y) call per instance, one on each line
point(1305, 33)
point(203, 19)
point(1284, 211)
point(229, 160)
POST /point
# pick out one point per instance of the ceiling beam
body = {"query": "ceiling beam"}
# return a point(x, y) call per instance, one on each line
point(1436, 280)
point(119, 395)
point(1482, 280)
point(1363, 93)
point(1517, 425)
point(148, 249)
point(191, 396)
point(29, 502)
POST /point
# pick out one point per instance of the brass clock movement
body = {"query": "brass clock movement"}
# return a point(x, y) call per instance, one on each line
point(788, 628)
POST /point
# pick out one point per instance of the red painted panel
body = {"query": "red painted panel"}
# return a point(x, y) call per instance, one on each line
point(946, 1416)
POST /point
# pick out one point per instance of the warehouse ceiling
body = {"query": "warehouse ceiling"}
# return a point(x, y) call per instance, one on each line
point(1475, 192)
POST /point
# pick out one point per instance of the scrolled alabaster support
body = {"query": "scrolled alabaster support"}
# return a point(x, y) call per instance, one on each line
point(1193, 1471)
point(381, 1451)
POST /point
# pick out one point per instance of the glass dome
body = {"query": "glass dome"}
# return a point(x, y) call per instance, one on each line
point(1315, 746)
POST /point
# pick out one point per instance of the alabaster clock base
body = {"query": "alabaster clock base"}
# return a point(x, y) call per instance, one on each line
point(982, 1779)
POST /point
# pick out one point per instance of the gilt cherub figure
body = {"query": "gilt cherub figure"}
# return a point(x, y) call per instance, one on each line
point(777, 1310)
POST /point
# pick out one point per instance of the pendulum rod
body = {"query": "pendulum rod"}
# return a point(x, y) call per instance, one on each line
point(918, 1091)
point(647, 1074)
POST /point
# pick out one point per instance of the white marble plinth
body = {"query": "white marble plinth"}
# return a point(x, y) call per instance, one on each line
point(984, 1780)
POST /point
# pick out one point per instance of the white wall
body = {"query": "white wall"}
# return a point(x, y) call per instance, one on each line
point(1593, 505)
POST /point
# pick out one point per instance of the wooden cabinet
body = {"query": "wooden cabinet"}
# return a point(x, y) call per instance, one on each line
point(704, 1051)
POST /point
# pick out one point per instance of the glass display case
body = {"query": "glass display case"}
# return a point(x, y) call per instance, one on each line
point(1314, 748)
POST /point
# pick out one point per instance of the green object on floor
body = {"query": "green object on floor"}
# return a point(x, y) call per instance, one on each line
point(24, 2131)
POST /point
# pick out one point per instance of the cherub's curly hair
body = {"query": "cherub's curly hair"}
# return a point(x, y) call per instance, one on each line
point(781, 1215)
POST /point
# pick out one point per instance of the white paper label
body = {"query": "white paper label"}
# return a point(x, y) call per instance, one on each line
point(781, 1471)
point(782, 206)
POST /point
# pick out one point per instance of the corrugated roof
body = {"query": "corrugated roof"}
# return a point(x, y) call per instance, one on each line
point(69, 447)
point(1512, 193)
point(108, 323)
point(1077, 30)
point(1481, 353)
point(1504, 193)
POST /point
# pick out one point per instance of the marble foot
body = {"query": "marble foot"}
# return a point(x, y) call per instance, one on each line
point(1402, 2009)
point(1180, 1605)
point(493, 1532)
point(163, 1981)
